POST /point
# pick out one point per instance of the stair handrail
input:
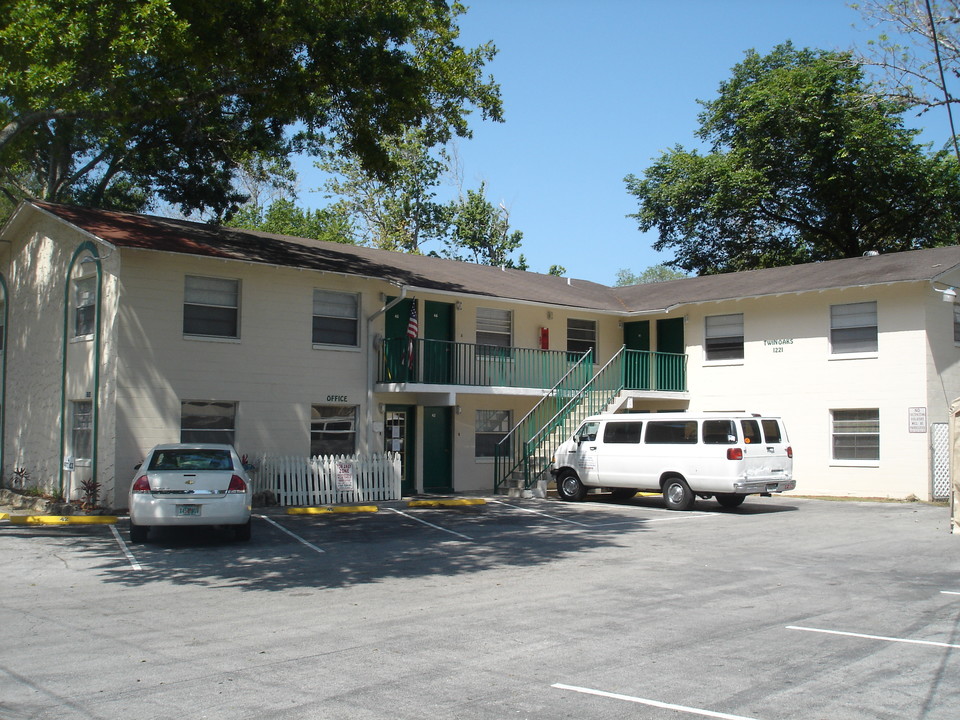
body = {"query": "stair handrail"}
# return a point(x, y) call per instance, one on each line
point(553, 423)
point(509, 437)
point(535, 443)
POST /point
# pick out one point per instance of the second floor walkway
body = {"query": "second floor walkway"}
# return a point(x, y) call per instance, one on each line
point(404, 364)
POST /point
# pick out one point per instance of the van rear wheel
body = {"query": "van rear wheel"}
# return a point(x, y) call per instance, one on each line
point(569, 487)
point(677, 495)
point(730, 500)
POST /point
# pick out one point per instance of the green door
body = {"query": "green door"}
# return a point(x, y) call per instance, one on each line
point(437, 449)
point(398, 365)
point(399, 436)
point(670, 372)
point(636, 338)
point(438, 342)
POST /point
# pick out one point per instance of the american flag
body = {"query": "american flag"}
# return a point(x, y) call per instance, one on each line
point(413, 330)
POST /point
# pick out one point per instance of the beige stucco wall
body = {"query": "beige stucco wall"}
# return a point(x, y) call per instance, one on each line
point(43, 374)
point(788, 370)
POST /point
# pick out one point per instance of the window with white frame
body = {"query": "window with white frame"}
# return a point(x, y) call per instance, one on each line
point(333, 430)
point(582, 336)
point(491, 427)
point(956, 323)
point(853, 328)
point(336, 318)
point(211, 307)
point(85, 306)
point(208, 421)
point(494, 328)
point(856, 434)
point(724, 337)
point(81, 429)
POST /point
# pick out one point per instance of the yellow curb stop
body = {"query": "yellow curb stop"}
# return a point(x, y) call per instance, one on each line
point(330, 510)
point(63, 519)
point(458, 502)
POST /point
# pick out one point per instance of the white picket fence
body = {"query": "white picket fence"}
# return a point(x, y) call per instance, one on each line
point(329, 479)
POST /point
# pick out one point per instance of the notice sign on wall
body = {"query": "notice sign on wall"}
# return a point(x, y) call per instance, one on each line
point(918, 419)
point(344, 477)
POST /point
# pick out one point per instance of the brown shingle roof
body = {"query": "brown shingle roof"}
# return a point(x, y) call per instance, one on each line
point(915, 265)
point(429, 273)
point(146, 232)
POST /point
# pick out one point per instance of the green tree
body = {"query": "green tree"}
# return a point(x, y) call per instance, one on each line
point(805, 164)
point(557, 270)
point(653, 274)
point(120, 103)
point(906, 48)
point(480, 232)
point(400, 212)
point(283, 217)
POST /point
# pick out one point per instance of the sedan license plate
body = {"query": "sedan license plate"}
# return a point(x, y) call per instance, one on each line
point(188, 510)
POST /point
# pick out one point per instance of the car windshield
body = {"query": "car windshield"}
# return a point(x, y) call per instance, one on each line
point(183, 459)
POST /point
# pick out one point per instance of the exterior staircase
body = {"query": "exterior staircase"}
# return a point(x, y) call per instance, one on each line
point(524, 456)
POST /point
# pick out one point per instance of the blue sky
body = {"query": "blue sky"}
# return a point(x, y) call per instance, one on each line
point(593, 91)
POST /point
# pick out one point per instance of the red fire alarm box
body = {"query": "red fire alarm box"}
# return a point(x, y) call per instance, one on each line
point(544, 338)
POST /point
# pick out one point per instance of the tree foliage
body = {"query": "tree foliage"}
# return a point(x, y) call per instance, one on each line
point(401, 212)
point(283, 217)
point(804, 164)
point(480, 232)
point(653, 274)
point(906, 47)
point(119, 103)
point(406, 213)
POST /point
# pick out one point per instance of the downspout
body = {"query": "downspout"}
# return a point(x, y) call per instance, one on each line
point(3, 374)
point(95, 396)
point(371, 436)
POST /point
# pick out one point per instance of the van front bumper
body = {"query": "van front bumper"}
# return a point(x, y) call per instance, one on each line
point(747, 487)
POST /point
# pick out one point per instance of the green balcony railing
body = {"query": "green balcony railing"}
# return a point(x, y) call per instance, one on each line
point(439, 362)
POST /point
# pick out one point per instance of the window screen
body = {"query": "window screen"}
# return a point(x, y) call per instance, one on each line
point(724, 337)
point(335, 318)
point(853, 328)
point(211, 307)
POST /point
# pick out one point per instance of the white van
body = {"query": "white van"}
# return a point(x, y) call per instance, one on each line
point(681, 455)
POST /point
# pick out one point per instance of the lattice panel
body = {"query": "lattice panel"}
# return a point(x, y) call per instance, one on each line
point(940, 438)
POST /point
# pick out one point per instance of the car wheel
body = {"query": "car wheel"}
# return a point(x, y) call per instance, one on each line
point(623, 493)
point(730, 500)
point(677, 494)
point(242, 532)
point(138, 533)
point(569, 487)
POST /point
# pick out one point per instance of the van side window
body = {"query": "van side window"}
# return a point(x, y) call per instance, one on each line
point(622, 432)
point(771, 431)
point(719, 432)
point(672, 432)
point(588, 432)
point(751, 431)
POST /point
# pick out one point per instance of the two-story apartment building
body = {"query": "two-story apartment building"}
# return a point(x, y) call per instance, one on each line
point(121, 331)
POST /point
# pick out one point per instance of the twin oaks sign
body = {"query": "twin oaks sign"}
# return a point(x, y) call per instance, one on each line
point(778, 344)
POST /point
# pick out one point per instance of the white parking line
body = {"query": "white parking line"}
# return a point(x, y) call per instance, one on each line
point(949, 592)
point(435, 527)
point(126, 550)
point(651, 703)
point(873, 637)
point(673, 516)
point(537, 512)
point(292, 534)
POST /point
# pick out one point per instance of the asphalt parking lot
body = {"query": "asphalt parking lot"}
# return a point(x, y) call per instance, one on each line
point(783, 608)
